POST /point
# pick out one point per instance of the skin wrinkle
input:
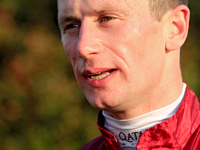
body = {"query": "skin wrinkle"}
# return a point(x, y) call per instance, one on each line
point(89, 7)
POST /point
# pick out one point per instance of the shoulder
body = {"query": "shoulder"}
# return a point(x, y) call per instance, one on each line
point(194, 142)
point(94, 144)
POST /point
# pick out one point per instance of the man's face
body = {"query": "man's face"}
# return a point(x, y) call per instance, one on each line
point(116, 48)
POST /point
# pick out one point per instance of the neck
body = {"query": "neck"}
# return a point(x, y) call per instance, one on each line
point(147, 106)
point(132, 129)
point(162, 94)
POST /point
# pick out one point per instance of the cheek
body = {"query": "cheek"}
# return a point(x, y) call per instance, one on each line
point(146, 41)
point(69, 45)
point(72, 55)
point(144, 49)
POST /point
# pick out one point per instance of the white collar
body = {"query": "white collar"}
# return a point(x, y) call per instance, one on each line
point(128, 131)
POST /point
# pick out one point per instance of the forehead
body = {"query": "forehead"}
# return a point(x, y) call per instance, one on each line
point(90, 6)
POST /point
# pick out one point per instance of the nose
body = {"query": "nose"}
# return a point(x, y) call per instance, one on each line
point(88, 43)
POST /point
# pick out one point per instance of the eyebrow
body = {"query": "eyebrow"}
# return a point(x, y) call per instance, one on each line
point(71, 18)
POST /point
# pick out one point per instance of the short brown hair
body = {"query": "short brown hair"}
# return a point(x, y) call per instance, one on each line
point(160, 7)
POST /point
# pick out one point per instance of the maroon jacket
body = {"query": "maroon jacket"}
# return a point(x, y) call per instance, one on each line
point(180, 132)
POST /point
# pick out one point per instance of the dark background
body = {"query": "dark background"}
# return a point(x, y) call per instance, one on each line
point(41, 106)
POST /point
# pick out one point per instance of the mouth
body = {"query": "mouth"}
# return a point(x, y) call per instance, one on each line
point(100, 75)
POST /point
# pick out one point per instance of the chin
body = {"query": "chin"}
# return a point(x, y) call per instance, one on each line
point(102, 104)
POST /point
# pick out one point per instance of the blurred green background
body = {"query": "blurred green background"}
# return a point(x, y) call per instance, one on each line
point(41, 106)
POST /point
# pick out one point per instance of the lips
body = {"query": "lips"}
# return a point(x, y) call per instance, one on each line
point(100, 75)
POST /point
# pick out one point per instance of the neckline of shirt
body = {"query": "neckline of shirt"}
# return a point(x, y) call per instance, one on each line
point(144, 121)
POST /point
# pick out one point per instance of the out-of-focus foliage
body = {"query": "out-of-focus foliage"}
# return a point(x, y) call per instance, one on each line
point(41, 106)
point(190, 58)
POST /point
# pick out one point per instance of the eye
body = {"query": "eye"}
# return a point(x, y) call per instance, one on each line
point(106, 18)
point(71, 26)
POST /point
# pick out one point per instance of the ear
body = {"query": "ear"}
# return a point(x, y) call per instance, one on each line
point(178, 22)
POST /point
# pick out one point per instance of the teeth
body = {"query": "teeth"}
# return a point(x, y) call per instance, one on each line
point(98, 76)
